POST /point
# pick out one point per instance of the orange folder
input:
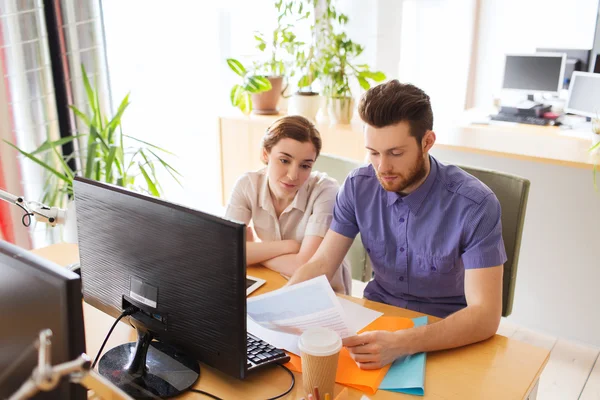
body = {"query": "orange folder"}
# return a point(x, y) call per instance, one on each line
point(348, 372)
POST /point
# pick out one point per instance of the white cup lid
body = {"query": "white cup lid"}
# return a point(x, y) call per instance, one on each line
point(320, 342)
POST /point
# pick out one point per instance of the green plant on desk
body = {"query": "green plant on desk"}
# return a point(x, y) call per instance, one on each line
point(103, 155)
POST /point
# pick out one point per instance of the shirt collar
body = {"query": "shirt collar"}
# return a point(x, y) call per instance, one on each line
point(415, 199)
point(266, 203)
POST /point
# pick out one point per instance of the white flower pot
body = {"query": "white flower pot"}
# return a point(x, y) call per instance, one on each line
point(306, 105)
point(341, 109)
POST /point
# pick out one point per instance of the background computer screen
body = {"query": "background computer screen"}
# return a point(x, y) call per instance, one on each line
point(584, 95)
point(534, 73)
point(35, 295)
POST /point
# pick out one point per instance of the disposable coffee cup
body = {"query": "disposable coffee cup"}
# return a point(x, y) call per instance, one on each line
point(319, 350)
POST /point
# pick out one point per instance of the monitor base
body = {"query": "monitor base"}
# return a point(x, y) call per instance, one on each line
point(147, 369)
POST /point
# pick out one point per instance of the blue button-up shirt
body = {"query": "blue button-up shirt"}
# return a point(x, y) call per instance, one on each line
point(420, 244)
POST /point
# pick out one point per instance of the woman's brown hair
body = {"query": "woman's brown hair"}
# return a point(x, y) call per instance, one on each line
point(292, 127)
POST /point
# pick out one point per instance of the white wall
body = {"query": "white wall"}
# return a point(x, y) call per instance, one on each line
point(559, 270)
point(521, 26)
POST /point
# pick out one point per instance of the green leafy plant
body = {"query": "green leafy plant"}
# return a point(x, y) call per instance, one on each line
point(280, 49)
point(108, 155)
point(338, 53)
point(240, 95)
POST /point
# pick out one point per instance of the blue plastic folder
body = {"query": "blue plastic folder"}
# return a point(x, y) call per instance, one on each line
point(407, 375)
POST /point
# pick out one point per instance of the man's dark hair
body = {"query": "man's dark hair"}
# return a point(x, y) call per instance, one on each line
point(392, 102)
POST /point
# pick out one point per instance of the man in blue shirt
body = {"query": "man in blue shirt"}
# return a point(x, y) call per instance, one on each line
point(432, 231)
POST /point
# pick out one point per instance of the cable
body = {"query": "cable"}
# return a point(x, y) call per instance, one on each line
point(291, 385)
point(212, 396)
point(130, 310)
point(26, 217)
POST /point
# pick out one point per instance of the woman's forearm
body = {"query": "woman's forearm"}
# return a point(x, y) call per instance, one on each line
point(259, 252)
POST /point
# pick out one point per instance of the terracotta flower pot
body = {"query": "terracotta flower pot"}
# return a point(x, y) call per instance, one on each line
point(265, 103)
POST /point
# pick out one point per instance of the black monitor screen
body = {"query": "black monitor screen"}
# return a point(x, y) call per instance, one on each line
point(184, 268)
point(533, 73)
point(36, 295)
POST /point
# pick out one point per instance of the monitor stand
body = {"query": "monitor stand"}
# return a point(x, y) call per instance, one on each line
point(147, 369)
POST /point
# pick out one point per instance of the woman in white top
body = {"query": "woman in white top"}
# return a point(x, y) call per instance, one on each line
point(290, 206)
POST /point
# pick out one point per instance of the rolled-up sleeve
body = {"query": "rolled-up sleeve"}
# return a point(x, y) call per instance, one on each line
point(322, 213)
point(344, 215)
point(239, 206)
point(484, 245)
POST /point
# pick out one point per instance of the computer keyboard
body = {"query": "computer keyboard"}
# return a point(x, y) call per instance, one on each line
point(520, 119)
point(261, 353)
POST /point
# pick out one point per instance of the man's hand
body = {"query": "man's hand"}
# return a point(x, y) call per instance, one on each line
point(375, 349)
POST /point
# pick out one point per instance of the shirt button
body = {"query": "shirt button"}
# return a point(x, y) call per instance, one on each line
point(401, 249)
point(401, 219)
point(401, 278)
point(433, 268)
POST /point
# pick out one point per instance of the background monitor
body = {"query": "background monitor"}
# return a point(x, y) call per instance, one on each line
point(183, 269)
point(534, 73)
point(36, 294)
point(584, 95)
point(577, 60)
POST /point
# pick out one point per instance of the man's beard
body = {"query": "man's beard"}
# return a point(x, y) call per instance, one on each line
point(416, 173)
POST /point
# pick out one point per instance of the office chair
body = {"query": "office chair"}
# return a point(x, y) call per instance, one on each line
point(338, 168)
point(512, 192)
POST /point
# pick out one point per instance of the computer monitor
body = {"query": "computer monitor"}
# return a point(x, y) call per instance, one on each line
point(584, 95)
point(185, 271)
point(35, 295)
point(577, 60)
point(597, 64)
point(534, 73)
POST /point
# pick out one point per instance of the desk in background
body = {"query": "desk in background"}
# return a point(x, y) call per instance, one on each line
point(498, 368)
point(240, 137)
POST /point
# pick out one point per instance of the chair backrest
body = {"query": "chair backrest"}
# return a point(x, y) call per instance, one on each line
point(338, 168)
point(512, 192)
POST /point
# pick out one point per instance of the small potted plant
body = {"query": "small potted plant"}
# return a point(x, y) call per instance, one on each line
point(250, 85)
point(278, 52)
point(340, 69)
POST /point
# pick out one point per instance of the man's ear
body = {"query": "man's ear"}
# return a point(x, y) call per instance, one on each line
point(428, 141)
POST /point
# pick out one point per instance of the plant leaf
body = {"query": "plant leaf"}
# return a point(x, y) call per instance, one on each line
point(234, 97)
point(149, 145)
point(47, 145)
point(39, 162)
point(151, 187)
point(363, 83)
point(81, 115)
point(377, 76)
point(236, 67)
point(64, 164)
point(91, 159)
point(108, 169)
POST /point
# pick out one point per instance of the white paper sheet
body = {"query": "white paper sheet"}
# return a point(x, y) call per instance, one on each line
point(357, 317)
point(297, 308)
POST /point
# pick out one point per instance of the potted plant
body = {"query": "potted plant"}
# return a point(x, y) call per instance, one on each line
point(241, 94)
point(340, 69)
point(107, 155)
point(262, 85)
point(306, 100)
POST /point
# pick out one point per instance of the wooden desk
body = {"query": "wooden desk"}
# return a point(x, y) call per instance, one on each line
point(498, 368)
point(240, 137)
